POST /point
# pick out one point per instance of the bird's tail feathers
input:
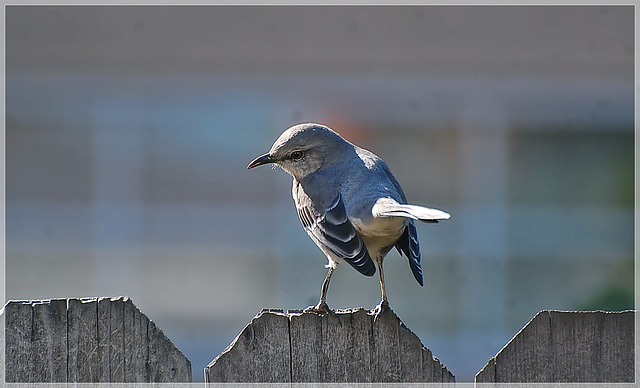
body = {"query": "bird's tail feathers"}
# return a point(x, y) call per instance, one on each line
point(387, 207)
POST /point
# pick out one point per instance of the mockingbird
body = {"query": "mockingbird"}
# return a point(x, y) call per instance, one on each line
point(348, 201)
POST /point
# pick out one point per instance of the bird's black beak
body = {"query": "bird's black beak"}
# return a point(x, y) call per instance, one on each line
point(260, 160)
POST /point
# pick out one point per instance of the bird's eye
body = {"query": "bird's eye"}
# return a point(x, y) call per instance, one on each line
point(296, 155)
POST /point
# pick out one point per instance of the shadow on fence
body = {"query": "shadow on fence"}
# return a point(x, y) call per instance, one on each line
point(110, 340)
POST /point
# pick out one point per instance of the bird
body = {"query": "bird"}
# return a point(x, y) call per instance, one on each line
point(348, 202)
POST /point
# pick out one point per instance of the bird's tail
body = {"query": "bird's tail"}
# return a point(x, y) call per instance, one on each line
point(387, 207)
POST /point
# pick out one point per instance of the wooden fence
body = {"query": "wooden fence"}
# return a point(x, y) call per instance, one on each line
point(348, 346)
point(562, 346)
point(110, 340)
point(87, 340)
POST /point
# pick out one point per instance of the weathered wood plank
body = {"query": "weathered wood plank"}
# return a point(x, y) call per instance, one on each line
point(559, 346)
point(129, 341)
point(355, 358)
point(83, 365)
point(103, 364)
point(155, 353)
point(18, 351)
point(620, 348)
point(178, 366)
point(73, 339)
point(488, 373)
point(525, 356)
point(116, 340)
point(141, 352)
point(385, 352)
point(411, 352)
point(306, 347)
point(166, 361)
point(260, 353)
point(570, 340)
point(87, 340)
point(49, 341)
point(347, 346)
point(39, 344)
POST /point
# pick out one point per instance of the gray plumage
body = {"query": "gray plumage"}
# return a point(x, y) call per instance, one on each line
point(348, 201)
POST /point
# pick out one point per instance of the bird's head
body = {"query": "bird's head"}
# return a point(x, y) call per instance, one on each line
point(304, 149)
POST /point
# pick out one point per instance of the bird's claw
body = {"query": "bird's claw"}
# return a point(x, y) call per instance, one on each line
point(380, 308)
point(321, 308)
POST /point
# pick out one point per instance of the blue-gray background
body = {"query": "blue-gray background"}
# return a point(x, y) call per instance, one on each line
point(128, 130)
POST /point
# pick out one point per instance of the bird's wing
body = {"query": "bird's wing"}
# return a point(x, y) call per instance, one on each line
point(409, 245)
point(334, 230)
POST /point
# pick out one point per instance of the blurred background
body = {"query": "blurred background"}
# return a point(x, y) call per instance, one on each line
point(128, 131)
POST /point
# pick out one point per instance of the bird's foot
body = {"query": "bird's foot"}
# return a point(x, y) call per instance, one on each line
point(321, 308)
point(380, 308)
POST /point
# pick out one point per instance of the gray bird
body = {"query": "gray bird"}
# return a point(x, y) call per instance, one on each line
point(348, 201)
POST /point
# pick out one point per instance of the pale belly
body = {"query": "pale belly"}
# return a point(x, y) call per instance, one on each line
point(379, 234)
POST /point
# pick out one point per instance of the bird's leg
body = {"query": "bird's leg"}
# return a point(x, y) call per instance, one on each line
point(384, 303)
point(322, 307)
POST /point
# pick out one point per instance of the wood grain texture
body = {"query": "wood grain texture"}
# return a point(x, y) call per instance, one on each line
point(264, 344)
point(560, 346)
point(354, 345)
point(18, 348)
point(88, 341)
point(83, 341)
point(49, 341)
